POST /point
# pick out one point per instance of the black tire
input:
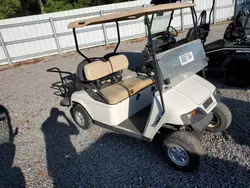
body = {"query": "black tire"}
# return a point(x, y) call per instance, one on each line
point(4, 131)
point(222, 118)
point(80, 110)
point(236, 75)
point(191, 146)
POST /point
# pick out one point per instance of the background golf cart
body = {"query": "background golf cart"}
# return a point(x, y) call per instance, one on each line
point(239, 29)
point(10, 176)
point(229, 57)
point(5, 132)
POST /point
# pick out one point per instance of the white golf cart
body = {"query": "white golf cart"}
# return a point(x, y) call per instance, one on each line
point(170, 97)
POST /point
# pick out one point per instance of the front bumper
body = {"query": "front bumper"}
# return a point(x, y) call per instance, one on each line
point(203, 123)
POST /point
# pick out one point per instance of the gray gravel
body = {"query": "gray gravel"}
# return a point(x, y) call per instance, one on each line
point(50, 151)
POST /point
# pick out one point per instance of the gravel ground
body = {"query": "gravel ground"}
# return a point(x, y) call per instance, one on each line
point(50, 151)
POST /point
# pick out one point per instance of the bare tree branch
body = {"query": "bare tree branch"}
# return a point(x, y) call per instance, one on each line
point(40, 3)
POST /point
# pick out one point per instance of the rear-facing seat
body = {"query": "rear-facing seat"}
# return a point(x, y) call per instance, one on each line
point(119, 91)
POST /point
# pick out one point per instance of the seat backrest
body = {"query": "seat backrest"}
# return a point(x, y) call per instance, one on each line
point(118, 63)
point(99, 69)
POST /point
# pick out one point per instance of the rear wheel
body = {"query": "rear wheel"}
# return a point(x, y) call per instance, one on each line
point(183, 150)
point(222, 118)
point(81, 116)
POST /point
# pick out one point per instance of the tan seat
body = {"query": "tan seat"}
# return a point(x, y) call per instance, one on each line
point(115, 93)
point(97, 70)
point(124, 89)
point(121, 90)
point(135, 84)
point(118, 62)
point(100, 69)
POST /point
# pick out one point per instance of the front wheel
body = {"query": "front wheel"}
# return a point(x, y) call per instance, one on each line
point(222, 118)
point(183, 150)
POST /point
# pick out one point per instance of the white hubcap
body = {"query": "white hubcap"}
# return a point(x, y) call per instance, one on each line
point(80, 118)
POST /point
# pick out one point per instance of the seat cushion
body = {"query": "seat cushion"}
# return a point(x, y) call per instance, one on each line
point(115, 93)
point(135, 84)
point(126, 88)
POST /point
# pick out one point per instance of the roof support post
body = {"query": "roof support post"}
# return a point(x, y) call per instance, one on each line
point(182, 19)
point(158, 74)
point(214, 12)
point(118, 36)
point(146, 30)
point(77, 47)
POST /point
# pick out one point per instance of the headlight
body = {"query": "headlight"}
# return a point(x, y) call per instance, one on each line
point(193, 116)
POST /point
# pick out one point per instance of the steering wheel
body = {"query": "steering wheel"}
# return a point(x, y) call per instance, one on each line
point(172, 31)
point(170, 34)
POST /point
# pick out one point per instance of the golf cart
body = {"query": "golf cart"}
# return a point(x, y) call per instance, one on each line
point(229, 57)
point(239, 30)
point(4, 126)
point(170, 97)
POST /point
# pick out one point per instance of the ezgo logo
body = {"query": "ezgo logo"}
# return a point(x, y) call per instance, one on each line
point(243, 51)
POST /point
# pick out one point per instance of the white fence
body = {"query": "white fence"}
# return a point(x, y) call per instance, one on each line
point(41, 35)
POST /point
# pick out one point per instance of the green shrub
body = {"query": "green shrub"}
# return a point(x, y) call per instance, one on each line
point(9, 8)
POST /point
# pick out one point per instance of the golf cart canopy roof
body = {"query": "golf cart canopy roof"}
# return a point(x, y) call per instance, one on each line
point(130, 14)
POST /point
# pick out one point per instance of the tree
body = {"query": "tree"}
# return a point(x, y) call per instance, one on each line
point(40, 3)
point(9, 8)
point(55, 6)
point(61, 5)
point(30, 7)
point(14, 8)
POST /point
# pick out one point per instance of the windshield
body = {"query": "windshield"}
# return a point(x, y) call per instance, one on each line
point(182, 62)
point(159, 22)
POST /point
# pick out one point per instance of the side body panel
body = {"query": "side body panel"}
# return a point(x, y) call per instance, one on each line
point(114, 114)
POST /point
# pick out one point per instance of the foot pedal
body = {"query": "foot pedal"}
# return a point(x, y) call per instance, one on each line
point(65, 102)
